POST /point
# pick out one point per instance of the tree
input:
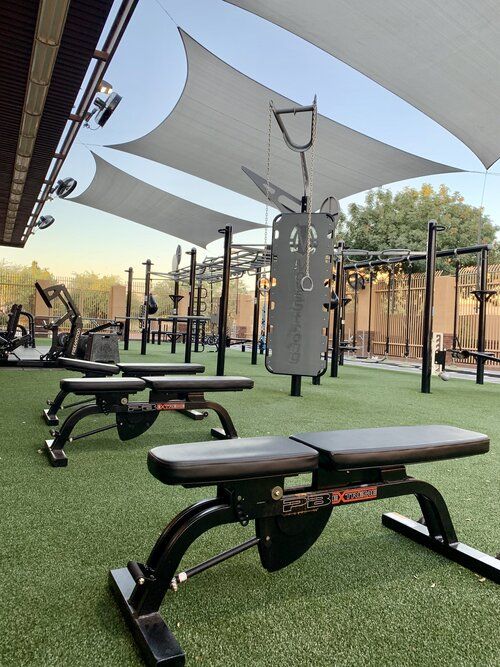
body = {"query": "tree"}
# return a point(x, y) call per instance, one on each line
point(399, 220)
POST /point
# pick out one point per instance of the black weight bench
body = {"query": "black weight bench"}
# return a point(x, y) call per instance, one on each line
point(98, 369)
point(180, 393)
point(347, 467)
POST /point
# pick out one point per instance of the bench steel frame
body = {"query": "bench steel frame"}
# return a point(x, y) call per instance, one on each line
point(287, 523)
point(137, 416)
point(50, 413)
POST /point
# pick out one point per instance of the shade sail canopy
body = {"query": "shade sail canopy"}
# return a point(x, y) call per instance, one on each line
point(114, 191)
point(220, 124)
point(441, 56)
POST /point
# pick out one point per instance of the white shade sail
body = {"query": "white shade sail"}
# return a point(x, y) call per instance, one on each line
point(441, 56)
point(114, 191)
point(220, 124)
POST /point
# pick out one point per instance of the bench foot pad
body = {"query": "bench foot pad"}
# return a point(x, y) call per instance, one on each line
point(157, 642)
point(50, 420)
point(194, 414)
point(477, 561)
point(220, 434)
point(57, 457)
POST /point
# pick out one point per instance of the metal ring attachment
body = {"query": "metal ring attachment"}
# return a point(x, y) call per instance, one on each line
point(306, 284)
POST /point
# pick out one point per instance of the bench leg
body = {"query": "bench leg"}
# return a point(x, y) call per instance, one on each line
point(140, 589)
point(194, 414)
point(50, 413)
point(477, 561)
point(55, 447)
point(228, 430)
point(438, 534)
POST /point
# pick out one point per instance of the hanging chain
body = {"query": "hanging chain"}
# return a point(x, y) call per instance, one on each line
point(268, 175)
point(307, 276)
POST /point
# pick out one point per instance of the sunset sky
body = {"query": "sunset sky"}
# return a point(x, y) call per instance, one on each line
point(149, 71)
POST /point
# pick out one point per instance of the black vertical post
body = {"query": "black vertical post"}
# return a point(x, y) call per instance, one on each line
point(408, 311)
point(430, 271)
point(456, 306)
point(173, 344)
point(388, 314)
point(369, 345)
point(192, 287)
point(355, 314)
point(481, 324)
point(256, 317)
point(296, 380)
point(224, 298)
point(128, 309)
point(337, 313)
point(197, 324)
point(147, 290)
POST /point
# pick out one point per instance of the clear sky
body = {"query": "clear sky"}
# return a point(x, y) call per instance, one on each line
point(149, 71)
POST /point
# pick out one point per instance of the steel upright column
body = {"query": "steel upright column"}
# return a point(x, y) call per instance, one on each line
point(430, 272)
point(128, 310)
point(369, 345)
point(197, 323)
point(173, 343)
point(192, 287)
point(482, 296)
point(147, 290)
point(224, 298)
point(338, 312)
point(256, 317)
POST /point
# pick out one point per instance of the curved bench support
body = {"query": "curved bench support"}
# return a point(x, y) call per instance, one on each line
point(288, 521)
point(140, 589)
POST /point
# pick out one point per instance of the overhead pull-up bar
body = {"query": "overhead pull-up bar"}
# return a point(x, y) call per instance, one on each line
point(418, 256)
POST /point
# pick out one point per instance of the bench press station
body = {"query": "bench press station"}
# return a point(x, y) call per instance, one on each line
point(347, 467)
point(180, 393)
point(95, 369)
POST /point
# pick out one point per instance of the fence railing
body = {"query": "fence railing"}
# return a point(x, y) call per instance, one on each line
point(397, 307)
point(91, 299)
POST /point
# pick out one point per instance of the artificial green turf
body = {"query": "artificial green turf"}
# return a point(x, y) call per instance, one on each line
point(361, 595)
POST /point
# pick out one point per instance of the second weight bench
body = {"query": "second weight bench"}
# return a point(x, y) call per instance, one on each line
point(95, 369)
point(167, 393)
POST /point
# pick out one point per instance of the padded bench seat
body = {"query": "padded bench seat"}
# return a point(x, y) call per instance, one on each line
point(88, 366)
point(209, 462)
point(88, 386)
point(138, 369)
point(394, 445)
point(198, 383)
point(245, 458)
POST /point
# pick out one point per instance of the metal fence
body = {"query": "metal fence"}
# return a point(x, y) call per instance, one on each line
point(468, 309)
point(397, 315)
point(397, 305)
point(90, 297)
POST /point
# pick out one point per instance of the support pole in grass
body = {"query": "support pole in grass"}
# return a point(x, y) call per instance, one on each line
point(145, 319)
point(256, 314)
point(192, 298)
point(338, 311)
point(428, 314)
point(224, 298)
point(126, 330)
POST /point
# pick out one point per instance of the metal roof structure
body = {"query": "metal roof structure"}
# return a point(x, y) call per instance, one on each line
point(46, 47)
point(244, 259)
point(440, 56)
point(220, 124)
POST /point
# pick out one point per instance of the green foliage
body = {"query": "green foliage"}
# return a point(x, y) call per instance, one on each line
point(399, 220)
